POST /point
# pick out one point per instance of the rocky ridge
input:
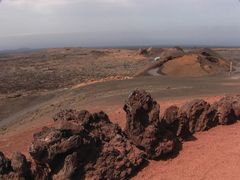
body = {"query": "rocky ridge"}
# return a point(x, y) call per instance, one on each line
point(84, 145)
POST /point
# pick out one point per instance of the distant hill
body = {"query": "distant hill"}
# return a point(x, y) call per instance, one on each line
point(20, 50)
point(193, 63)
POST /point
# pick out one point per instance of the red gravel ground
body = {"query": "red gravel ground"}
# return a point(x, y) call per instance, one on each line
point(214, 154)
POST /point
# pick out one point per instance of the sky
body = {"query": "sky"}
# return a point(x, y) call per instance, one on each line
point(101, 23)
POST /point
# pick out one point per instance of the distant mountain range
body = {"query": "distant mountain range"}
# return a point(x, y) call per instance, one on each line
point(20, 50)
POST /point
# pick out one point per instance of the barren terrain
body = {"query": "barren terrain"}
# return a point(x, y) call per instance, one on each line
point(52, 69)
point(35, 86)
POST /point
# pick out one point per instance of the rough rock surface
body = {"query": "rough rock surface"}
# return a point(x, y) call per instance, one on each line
point(67, 114)
point(236, 106)
point(5, 164)
point(228, 109)
point(16, 168)
point(192, 117)
point(89, 146)
point(143, 126)
point(175, 123)
point(198, 115)
point(145, 51)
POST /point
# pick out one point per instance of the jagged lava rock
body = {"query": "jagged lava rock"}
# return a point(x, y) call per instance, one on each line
point(5, 164)
point(228, 109)
point(236, 106)
point(89, 147)
point(198, 115)
point(16, 168)
point(66, 114)
point(176, 124)
point(143, 126)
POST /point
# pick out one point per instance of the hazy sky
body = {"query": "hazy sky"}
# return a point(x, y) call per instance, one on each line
point(58, 23)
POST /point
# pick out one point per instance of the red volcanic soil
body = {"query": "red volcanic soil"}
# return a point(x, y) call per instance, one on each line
point(19, 138)
point(194, 65)
point(215, 154)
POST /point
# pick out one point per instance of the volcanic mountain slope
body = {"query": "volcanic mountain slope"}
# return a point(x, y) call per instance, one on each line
point(195, 64)
point(171, 53)
point(161, 53)
point(191, 63)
